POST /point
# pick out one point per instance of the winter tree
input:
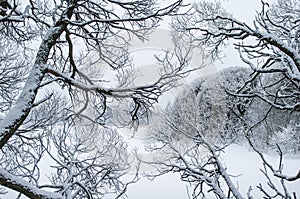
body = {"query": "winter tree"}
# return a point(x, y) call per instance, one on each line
point(199, 162)
point(54, 104)
point(206, 104)
point(270, 47)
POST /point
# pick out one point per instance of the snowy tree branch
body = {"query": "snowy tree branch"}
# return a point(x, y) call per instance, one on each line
point(22, 186)
point(69, 33)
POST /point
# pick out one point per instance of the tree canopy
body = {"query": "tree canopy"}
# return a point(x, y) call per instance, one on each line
point(57, 109)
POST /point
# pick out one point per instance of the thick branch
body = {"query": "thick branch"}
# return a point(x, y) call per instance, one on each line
point(22, 186)
point(16, 116)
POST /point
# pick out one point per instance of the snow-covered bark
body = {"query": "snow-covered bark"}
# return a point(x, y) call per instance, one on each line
point(69, 33)
point(16, 116)
point(22, 186)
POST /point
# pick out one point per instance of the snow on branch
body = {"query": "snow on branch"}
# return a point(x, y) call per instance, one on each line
point(22, 186)
point(69, 31)
point(269, 46)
